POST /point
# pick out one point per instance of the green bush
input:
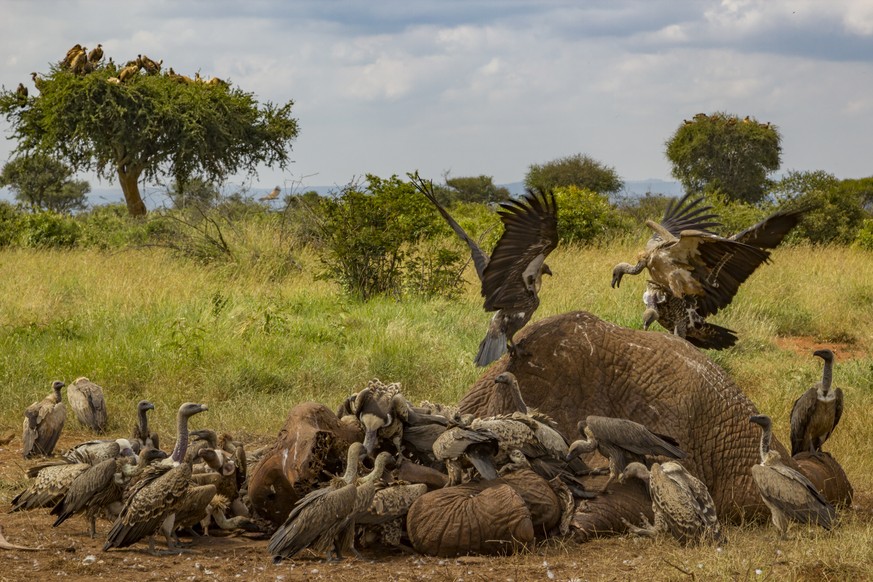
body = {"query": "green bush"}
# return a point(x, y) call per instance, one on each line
point(368, 236)
point(734, 215)
point(8, 224)
point(585, 216)
point(48, 230)
point(110, 226)
point(864, 239)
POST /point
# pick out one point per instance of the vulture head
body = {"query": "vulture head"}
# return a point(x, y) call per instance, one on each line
point(650, 316)
point(826, 355)
point(144, 405)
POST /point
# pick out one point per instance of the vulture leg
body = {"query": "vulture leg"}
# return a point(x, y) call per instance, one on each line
point(93, 522)
point(647, 530)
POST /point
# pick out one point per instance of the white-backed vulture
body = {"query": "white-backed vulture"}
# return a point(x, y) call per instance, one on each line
point(93, 452)
point(86, 400)
point(685, 315)
point(788, 493)
point(364, 494)
point(477, 446)
point(100, 486)
point(21, 92)
point(49, 484)
point(141, 433)
point(43, 422)
point(71, 54)
point(681, 503)
point(160, 492)
point(128, 72)
point(621, 441)
point(318, 517)
point(817, 412)
point(381, 409)
point(511, 277)
point(96, 54)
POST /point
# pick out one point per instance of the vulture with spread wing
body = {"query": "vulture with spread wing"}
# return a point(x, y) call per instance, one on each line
point(512, 275)
point(695, 273)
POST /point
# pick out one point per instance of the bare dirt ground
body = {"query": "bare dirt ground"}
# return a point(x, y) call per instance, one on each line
point(68, 553)
point(805, 345)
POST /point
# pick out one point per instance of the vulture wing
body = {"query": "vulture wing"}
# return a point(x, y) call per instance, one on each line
point(801, 414)
point(687, 214)
point(793, 494)
point(530, 234)
point(769, 233)
point(633, 437)
point(480, 259)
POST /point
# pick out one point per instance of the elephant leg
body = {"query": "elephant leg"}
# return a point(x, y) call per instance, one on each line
point(603, 515)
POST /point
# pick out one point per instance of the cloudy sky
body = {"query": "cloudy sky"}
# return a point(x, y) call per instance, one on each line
point(475, 87)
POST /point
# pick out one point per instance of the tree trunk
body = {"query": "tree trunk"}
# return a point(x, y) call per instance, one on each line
point(130, 186)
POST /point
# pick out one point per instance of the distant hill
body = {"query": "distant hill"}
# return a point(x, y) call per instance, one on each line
point(155, 197)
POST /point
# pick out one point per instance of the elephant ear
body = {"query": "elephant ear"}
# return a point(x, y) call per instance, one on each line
point(468, 520)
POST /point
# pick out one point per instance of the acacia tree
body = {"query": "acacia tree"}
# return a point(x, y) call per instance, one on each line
point(475, 189)
point(578, 170)
point(45, 183)
point(721, 152)
point(148, 125)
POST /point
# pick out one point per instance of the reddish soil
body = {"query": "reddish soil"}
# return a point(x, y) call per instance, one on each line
point(805, 345)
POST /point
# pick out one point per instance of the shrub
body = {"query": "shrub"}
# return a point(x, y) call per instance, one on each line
point(369, 234)
point(585, 215)
point(110, 226)
point(864, 239)
point(8, 224)
point(48, 230)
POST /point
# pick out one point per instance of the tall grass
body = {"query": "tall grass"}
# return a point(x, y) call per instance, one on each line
point(252, 341)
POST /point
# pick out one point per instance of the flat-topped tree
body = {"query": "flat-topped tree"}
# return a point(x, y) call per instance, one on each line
point(146, 125)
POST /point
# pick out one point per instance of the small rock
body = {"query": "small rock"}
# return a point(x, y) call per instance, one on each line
point(89, 559)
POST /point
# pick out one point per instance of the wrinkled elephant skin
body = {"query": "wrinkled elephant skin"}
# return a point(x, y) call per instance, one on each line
point(575, 364)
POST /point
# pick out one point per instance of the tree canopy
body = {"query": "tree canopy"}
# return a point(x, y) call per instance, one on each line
point(578, 170)
point(475, 189)
point(44, 183)
point(721, 152)
point(136, 122)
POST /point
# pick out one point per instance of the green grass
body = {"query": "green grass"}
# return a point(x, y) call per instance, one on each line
point(145, 324)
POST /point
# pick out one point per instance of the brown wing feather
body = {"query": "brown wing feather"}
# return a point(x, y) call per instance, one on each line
point(687, 214)
point(769, 233)
point(793, 494)
point(86, 400)
point(530, 234)
point(801, 414)
point(94, 487)
point(633, 437)
point(720, 266)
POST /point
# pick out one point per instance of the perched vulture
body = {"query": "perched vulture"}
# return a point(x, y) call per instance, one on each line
point(43, 422)
point(681, 503)
point(319, 518)
point(686, 315)
point(96, 54)
point(619, 439)
point(161, 491)
point(816, 413)
point(788, 493)
point(511, 277)
point(86, 400)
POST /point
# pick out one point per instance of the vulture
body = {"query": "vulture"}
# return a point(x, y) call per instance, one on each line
point(478, 446)
point(512, 275)
point(319, 517)
point(161, 491)
point(387, 511)
point(128, 72)
point(86, 400)
point(71, 54)
point(788, 493)
point(49, 484)
point(21, 92)
point(43, 422)
point(38, 82)
point(364, 495)
point(150, 66)
point(680, 501)
point(816, 413)
point(381, 410)
point(686, 315)
point(94, 490)
point(141, 433)
point(272, 195)
point(619, 439)
point(96, 54)
point(93, 452)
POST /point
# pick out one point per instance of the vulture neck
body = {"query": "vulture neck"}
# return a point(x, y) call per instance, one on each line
point(515, 394)
point(827, 377)
point(351, 469)
point(57, 393)
point(766, 437)
point(378, 470)
point(181, 440)
point(143, 424)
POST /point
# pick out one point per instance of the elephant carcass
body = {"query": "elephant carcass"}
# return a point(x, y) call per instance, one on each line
point(469, 519)
point(311, 446)
point(575, 364)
